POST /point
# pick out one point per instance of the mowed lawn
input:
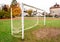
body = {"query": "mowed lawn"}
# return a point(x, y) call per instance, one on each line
point(5, 30)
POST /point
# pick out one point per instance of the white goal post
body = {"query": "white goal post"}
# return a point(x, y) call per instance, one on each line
point(22, 21)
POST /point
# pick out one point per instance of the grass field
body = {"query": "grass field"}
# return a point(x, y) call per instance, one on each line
point(5, 30)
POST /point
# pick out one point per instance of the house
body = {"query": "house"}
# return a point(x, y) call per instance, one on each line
point(55, 10)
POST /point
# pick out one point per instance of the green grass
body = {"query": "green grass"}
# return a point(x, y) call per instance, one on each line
point(5, 34)
point(5, 31)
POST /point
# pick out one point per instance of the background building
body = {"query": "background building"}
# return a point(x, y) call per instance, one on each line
point(55, 10)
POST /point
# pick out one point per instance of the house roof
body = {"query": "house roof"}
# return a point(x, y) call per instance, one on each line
point(55, 6)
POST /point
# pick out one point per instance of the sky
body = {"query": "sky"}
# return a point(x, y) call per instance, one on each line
point(42, 4)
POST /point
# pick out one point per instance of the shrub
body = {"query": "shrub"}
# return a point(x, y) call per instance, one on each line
point(29, 12)
point(1, 14)
point(4, 14)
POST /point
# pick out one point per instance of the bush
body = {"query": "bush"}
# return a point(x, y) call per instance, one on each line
point(56, 16)
point(29, 11)
point(7, 15)
point(48, 15)
point(1, 14)
point(4, 14)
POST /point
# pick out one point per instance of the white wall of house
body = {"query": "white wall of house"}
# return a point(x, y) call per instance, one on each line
point(55, 11)
point(0, 7)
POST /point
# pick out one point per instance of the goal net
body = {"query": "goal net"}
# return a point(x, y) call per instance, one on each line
point(16, 26)
point(24, 22)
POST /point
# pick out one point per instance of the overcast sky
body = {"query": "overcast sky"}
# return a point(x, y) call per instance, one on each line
point(42, 4)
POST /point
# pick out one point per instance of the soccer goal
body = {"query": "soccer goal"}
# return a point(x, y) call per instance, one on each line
point(25, 22)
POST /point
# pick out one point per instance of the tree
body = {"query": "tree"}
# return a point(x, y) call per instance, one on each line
point(16, 9)
point(4, 14)
point(5, 8)
point(1, 14)
point(7, 14)
point(29, 12)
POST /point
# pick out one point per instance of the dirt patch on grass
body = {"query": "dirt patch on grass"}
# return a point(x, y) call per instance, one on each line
point(46, 33)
